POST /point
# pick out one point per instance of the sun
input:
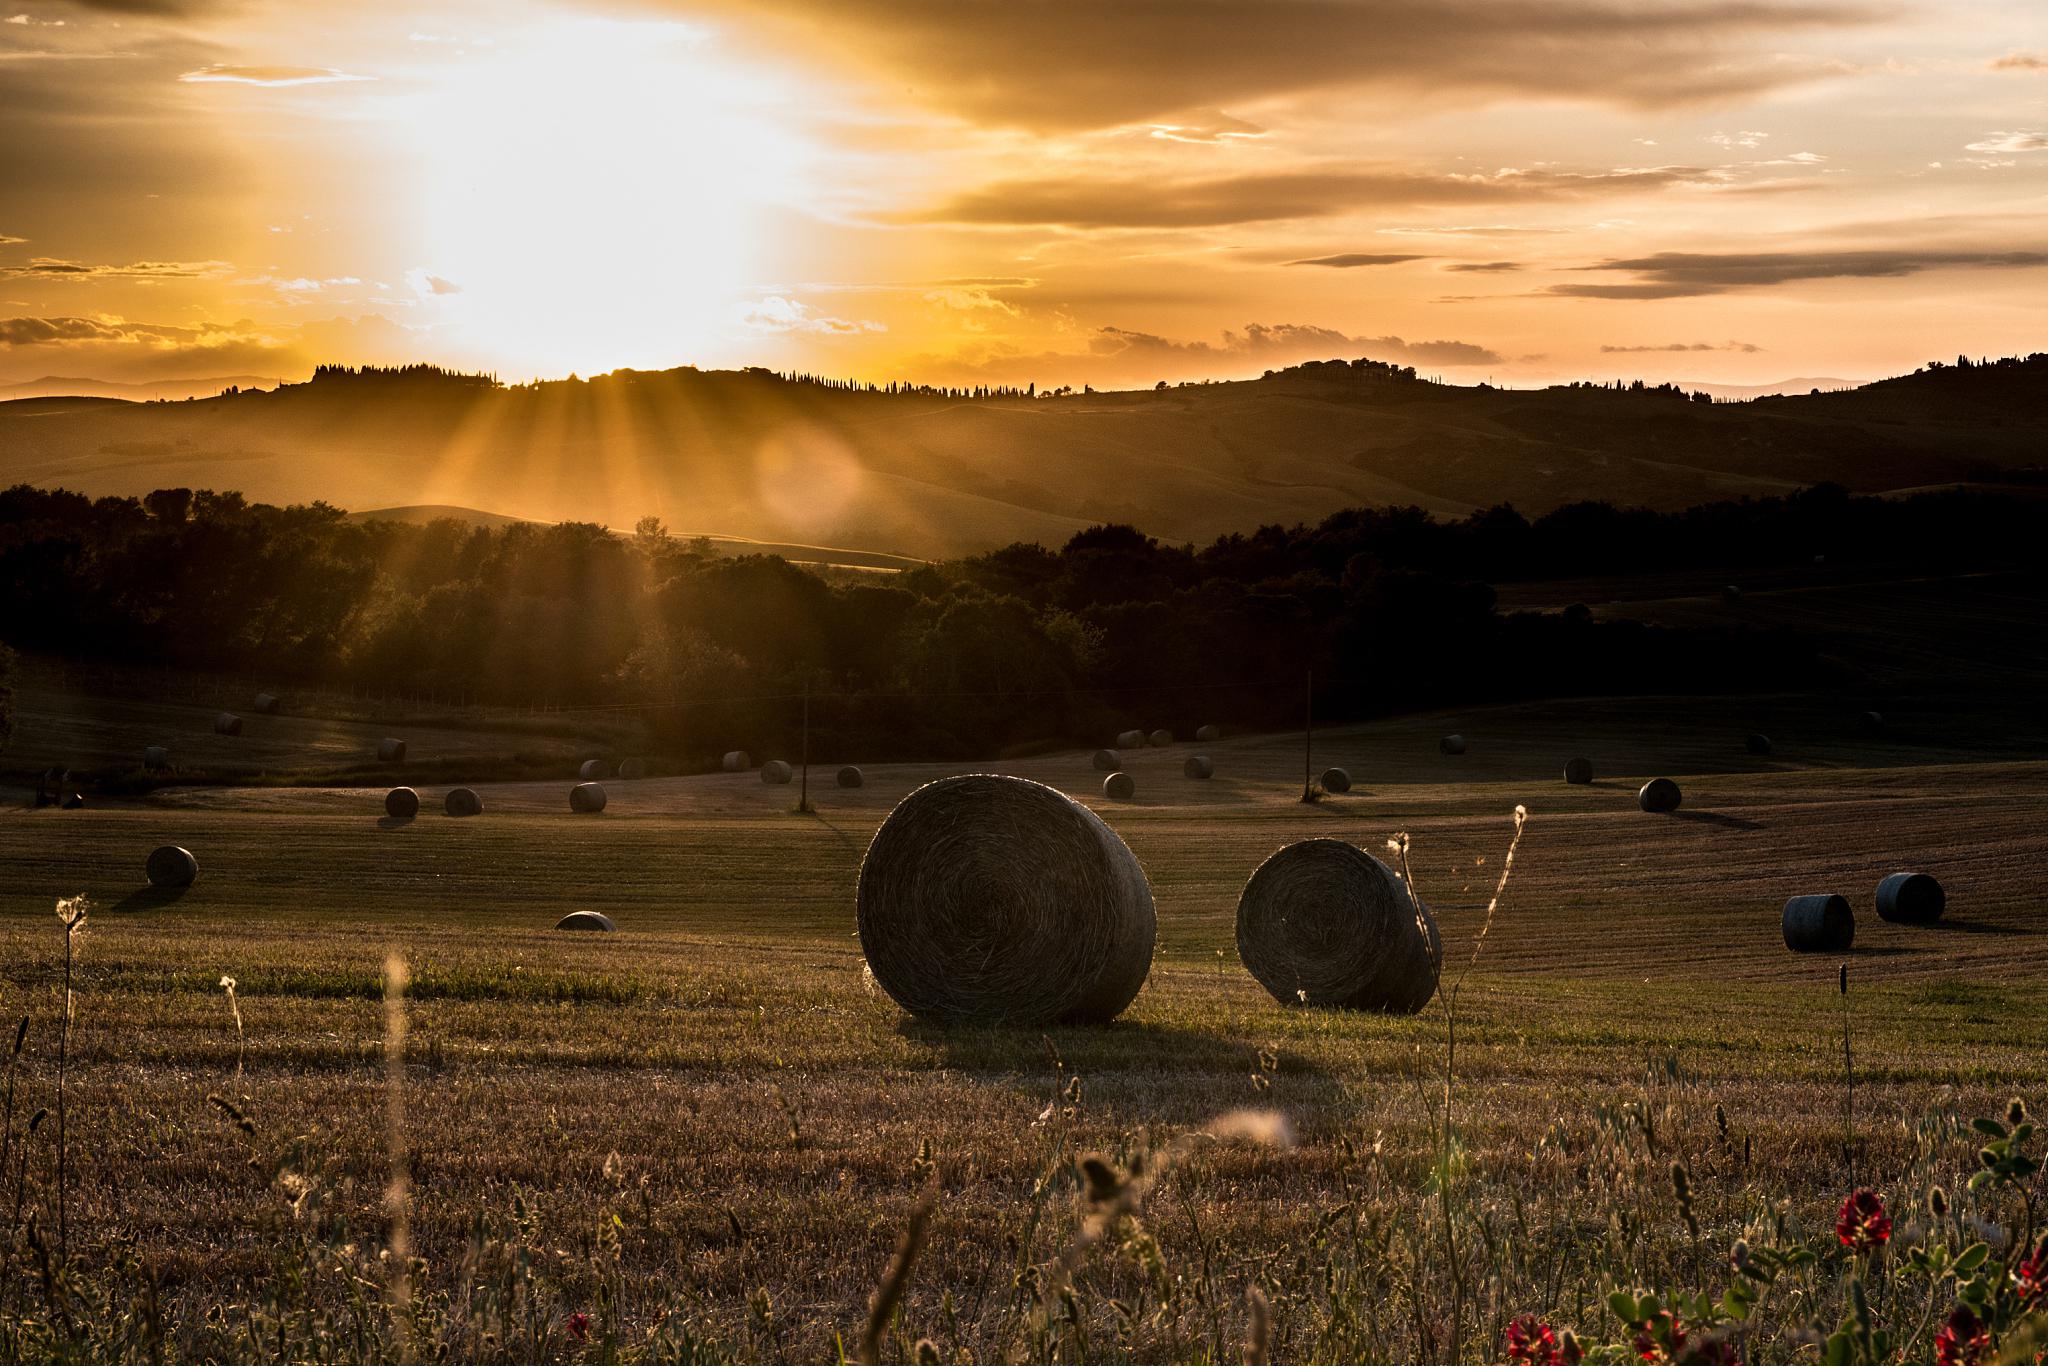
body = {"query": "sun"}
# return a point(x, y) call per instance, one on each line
point(598, 195)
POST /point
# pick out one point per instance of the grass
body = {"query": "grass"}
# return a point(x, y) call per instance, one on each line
point(712, 1116)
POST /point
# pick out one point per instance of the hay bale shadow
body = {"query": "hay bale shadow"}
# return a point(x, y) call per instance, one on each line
point(1720, 818)
point(395, 822)
point(1018, 1054)
point(151, 898)
point(1945, 925)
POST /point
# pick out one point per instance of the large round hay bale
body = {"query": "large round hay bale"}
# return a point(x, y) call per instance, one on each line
point(1910, 899)
point(171, 866)
point(1758, 744)
point(596, 921)
point(1335, 781)
point(390, 751)
point(587, 798)
point(776, 772)
point(593, 770)
point(1451, 744)
point(1160, 739)
point(1208, 734)
point(1578, 771)
point(401, 803)
point(1130, 739)
point(156, 757)
point(1000, 900)
point(1199, 766)
point(267, 704)
point(736, 761)
point(633, 769)
point(1108, 761)
point(1659, 795)
point(1120, 787)
point(227, 723)
point(850, 776)
point(1324, 923)
point(464, 801)
point(1819, 924)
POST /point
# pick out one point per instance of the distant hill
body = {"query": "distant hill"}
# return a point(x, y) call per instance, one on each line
point(170, 390)
point(928, 472)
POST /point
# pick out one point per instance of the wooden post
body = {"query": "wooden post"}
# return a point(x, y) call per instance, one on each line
point(803, 802)
point(1308, 739)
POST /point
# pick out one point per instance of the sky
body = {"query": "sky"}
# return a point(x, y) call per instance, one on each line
point(1105, 192)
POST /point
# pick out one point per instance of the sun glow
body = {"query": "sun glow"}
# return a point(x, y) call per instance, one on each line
point(595, 197)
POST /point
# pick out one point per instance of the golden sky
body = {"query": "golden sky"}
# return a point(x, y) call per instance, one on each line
point(1109, 192)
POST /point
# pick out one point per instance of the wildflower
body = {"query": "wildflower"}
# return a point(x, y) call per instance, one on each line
point(1862, 1224)
point(2030, 1277)
point(1662, 1337)
point(1533, 1341)
point(1963, 1340)
point(579, 1327)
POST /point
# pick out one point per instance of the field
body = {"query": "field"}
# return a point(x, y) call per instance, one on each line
point(720, 1077)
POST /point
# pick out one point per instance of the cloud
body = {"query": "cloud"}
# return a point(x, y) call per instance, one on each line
point(1485, 267)
point(1349, 259)
point(1282, 343)
point(269, 76)
point(6, 241)
point(1132, 202)
point(1746, 348)
point(780, 315)
point(52, 268)
point(49, 331)
point(2021, 61)
point(1207, 125)
point(2010, 142)
point(1680, 274)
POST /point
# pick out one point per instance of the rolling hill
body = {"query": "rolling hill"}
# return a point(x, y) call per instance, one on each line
point(753, 455)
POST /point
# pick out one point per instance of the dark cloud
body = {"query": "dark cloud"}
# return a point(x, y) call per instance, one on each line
point(1281, 343)
point(1680, 274)
point(1485, 267)
point(1348, 259)
point(1100, 63)
point(51, 268)
point(1747, 348)
point(47, 331)
point(1074, 202)
point(2021, 61)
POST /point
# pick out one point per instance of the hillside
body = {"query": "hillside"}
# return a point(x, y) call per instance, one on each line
point(753, 455)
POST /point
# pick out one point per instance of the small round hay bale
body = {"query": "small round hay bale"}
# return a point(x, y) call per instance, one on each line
point(156, 757)
point(401, 803)
point(1119, 787)
point(227, 723)
point(1910, 899)
point(73, 802)
point(1335, 781)
point(1208, 735)
point(776, 773)
point(1199, 766)
point(1578, 771)
point(1108, 761)
point(1578, 613)
point(1324, 923)
point(596, 921)
point(633, 769)
point(1451, 744)
point(390, 751)
point(593, 770)
point(267, 704)
point(1819, 924)
point(1873, 720)
point(1731, 592)
point(1160, 739)
point(171, 866)
point(1758, 744)
point(1130, 739)
point(850, 776)
point(586, 799)
point(736, 761)
point(999, 900)
point(464, 801)
point(1659, 795)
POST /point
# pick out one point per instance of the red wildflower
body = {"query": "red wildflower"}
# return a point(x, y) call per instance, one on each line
point(2030, 1277)
point(1963, 1340)
point(579, 1327)
point(1533, 1341)
point(1862, 1224)
point(1663, 1336)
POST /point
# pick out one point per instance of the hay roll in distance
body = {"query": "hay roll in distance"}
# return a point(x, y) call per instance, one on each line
point(227, 723)
point(267, 704)
point(776, 773)
point(390, 751)
point(171, 866)
point(1872, 720)
point(1335, 781)
point(1818, 924)
point(1208, 734)
point(1451, 744)
point(850, 776)
point(1199, 766)
point(1910, 899)
point(1160, 739)
point(595, 921)
point(1758, 744)
point(736, 761)
point(1119, 787)
point(999, 900)
point(463, 801)
point(1130, 739)
point(1324, 923)
point(587, 799)
point(1108, 761)
point(401, 803)
point(156, 757)
point(1659, 795)
point(633, 769)
point(1578, 771)
point(593, 770)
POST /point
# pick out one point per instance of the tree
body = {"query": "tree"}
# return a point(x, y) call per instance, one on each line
point(6, 695)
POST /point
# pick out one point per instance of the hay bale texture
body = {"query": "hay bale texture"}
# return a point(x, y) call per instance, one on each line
point(156, 757)
point(1910, 899)
point(1108, 761)
point(850, 776)
point(1659, 795)
point(587, 920)
point(171, 866)
point(633, 769)
point(1208, 735)
point(1578, 771)
point(1335, 780)
point(586, 799)
point(227, 723)
point(1324, 923)
point(1758, 744)
point(267, 704)
point(464, 801)
point(401, 803)
point(390, 751)
point(1199, 766)
point(1160, 739)
point(1451, 744)
point(1819, 924)
point(736, 761)
point(1120, 787)
point(776, 772)
point(593, 770)
point(999, 900)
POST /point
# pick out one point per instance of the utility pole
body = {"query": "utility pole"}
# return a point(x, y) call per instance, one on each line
point(1308, 739)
